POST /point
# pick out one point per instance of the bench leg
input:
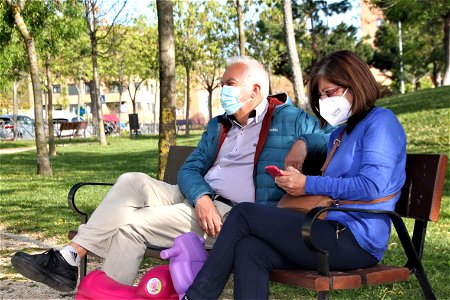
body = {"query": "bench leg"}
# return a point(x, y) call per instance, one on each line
point(424, 282)
point(83, 267)
point(322, 295)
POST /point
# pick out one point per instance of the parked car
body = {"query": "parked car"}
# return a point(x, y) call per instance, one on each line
point(25, 127)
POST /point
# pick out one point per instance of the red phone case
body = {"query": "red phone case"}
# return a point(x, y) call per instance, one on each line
point(273, 170)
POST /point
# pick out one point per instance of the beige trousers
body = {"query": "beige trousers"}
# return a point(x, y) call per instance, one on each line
point(136, 211)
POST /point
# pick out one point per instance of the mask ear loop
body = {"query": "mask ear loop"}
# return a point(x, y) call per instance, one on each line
point(350, 111)
point(344, 92)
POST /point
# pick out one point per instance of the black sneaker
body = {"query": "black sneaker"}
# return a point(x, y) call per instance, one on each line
point(50, 268)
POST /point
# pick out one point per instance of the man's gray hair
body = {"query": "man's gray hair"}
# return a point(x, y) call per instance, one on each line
point(256, 71)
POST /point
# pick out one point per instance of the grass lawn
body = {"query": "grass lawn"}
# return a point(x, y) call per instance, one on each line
point(30, 204)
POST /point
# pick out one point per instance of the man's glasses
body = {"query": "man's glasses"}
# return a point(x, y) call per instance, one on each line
point(328, 92)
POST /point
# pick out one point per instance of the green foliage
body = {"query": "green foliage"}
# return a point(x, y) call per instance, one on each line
point(267, 38)
point(134, 56)
point(422, 36)
point(217, 45)
point(204, 39)
point(314, 39)
point(13, 58)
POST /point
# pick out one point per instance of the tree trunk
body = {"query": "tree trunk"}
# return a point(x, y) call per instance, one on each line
point(120, 103)
point(51, 133)
point(43, 162)
point(299, 90)
point(96, 105)
point(188, 98)
point(93, 106)
point(313, 33)
point(446, 80)
point(240, 17)
point(210, 94)
point(269, 70)
point(154, 109)
point(166, 41)
point(99, 111)
point(15, 110)
point(80, 88)
point(133, 101)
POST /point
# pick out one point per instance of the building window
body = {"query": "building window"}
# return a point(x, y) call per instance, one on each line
point(87, 88)
point(56, 88)
point(73, 90)
point(151, 88)
point(138, 106)
point(114, 88)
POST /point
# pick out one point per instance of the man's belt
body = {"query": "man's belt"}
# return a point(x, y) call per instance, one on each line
point(224, 200)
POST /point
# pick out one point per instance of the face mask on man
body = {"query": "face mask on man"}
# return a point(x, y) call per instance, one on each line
point(335, 110)
point(229, 99)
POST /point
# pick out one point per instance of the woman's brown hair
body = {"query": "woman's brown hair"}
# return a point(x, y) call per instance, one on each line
point(345, 69)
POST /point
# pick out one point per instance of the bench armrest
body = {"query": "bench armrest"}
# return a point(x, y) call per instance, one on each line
point(323, 266)
point(71, 198)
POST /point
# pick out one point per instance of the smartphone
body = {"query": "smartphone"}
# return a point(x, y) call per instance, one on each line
point(273, 170)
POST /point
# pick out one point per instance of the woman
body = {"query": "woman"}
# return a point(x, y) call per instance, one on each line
point(368, 165)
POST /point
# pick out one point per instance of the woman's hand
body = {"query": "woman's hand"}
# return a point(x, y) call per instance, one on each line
point(292, 181)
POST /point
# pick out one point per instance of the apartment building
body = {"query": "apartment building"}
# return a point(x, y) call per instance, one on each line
point(118, 101)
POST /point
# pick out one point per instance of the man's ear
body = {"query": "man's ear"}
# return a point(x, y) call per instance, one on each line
point(256, 88)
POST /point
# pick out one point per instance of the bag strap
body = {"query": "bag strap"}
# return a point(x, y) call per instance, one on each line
point(378, 200)
point(336, 144)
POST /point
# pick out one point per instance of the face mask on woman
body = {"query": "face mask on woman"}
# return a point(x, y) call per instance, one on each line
point(335, 110)
point(229, 99)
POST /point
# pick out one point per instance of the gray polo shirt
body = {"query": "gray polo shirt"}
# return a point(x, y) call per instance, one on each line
point(231, 175)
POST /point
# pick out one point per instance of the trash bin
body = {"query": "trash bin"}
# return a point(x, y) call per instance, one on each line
point(134, 123)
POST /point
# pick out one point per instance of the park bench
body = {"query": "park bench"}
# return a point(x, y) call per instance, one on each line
point(74, 128)
point(420, 200)
point(193, 124)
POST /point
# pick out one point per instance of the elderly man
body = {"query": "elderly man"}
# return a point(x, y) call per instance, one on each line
point(226, 168)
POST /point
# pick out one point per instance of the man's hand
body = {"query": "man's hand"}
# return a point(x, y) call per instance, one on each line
point(208, 218)
point(296, 155)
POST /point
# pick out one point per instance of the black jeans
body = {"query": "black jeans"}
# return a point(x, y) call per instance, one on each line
point(256, 239)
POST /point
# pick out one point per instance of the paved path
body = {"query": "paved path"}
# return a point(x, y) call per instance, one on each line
point(14, 285)
point(16, 150)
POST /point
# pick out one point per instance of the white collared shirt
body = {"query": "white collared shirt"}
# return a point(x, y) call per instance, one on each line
point(231, 175)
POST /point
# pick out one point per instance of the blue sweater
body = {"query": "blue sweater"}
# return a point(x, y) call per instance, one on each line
point(369, 164)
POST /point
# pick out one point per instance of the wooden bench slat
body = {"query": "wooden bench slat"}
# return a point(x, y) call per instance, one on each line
point(311, 280)
point(75, 127)
point(381, 274)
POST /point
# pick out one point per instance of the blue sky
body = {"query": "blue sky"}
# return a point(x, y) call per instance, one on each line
point(351, 17)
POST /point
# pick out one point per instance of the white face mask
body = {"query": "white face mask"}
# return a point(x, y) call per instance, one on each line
point(335, 110)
